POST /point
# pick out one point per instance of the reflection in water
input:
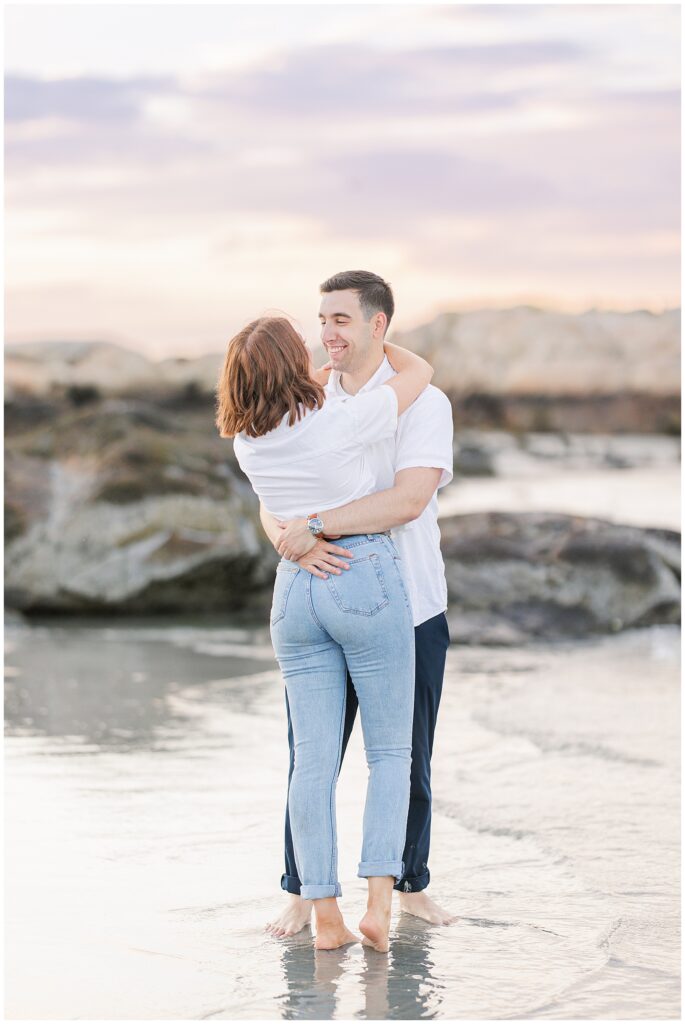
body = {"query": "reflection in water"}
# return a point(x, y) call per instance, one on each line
point(312, 978)
point(414, 990)
point(401, 985)
point(113, 688)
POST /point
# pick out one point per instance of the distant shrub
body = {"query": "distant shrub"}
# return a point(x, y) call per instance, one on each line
point(191, 395)
point(14, 521)
point(672, 425)
point(83, 394)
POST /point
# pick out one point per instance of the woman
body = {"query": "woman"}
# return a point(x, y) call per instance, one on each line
point(304, 454)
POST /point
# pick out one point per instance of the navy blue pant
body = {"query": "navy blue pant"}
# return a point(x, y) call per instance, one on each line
point(432, 640)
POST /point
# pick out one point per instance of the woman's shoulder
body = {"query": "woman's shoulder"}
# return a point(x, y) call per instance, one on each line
point(283, 433)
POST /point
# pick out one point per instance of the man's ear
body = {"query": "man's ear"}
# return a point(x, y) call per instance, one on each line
point(380, 322)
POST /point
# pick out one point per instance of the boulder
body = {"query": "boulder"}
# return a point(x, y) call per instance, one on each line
point(514, 577)
point(124, 508)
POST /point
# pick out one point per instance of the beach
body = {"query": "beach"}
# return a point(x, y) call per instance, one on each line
point(186, 185)
point(145, 785)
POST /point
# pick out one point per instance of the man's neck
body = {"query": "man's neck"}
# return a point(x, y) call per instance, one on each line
point(352, 381)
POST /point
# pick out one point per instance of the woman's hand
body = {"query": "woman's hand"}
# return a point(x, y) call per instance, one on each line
point(322, 374)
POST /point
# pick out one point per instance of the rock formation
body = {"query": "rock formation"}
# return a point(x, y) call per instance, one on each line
point(547, 576)
point(120, 496)
point(515, 369)
point(129, 508)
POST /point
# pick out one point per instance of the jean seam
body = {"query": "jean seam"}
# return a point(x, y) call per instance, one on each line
point(310, 606)
point(389, 545)
point(376, 563)
point(366, 538)
point(395, 560)
point(286, 595)
point(334, 834)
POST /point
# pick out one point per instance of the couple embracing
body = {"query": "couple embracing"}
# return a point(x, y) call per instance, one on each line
point(355, 450)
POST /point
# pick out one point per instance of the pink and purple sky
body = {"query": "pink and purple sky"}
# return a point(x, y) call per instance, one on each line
point(174, 171)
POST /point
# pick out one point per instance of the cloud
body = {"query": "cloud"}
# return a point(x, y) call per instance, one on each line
point(510, 159)
point(83, 98)
point(407, 184)
point(367, 82)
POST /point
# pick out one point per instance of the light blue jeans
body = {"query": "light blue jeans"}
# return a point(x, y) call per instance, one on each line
point(359, 620)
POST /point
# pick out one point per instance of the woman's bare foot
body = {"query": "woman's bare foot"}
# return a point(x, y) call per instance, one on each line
point(331, 930)
point(375, 924)
point(375, 927)
point(331, 936)
point(421, 905)
point(295, 917)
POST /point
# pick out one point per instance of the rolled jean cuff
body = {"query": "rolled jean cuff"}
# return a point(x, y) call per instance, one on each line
point(413, 884)
point(381, 868)
point(320, 892)
point(291, 884)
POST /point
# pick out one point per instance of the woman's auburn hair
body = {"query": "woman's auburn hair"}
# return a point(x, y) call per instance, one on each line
point(265, 375)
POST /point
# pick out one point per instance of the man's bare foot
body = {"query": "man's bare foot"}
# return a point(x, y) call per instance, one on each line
point(331, 935)
point(421, 905)
point(375, 927)
point(296, 916)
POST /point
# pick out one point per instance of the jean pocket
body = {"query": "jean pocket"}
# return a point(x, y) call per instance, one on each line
point(362, 590)
point(285, 577)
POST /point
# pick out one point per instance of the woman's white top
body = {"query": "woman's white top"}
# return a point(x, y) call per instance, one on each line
point(320, 462)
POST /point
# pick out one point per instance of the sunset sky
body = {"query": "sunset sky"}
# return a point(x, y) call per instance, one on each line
point(173, 171)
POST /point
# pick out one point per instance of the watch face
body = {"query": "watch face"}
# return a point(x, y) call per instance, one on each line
point(315, 525)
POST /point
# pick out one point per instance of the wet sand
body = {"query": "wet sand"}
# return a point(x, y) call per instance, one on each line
point(145, 785)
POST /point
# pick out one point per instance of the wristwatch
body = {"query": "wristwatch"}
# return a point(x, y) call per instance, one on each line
point(315, 524)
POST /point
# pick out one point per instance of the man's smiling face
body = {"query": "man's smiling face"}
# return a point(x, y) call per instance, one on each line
point(346, 334)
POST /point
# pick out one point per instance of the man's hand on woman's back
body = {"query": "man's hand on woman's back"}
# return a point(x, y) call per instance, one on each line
point(325, 558)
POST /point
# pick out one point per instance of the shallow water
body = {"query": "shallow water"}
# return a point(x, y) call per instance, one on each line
point(624, 478)
point(145, 782)
point(640, 496)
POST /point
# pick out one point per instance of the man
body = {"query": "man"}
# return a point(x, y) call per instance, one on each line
point(355, 312)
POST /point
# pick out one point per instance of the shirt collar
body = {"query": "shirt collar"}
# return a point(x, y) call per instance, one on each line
point(382, 374)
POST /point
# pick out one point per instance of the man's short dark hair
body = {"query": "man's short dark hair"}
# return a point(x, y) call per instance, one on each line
point(375, 294)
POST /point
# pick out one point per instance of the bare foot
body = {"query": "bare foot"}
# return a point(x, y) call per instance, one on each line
point(331, 935)
point(295, 917)
point(375, 927)
point(421, 905)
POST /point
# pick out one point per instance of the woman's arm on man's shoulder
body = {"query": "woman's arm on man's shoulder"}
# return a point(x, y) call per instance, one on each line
point(414, 374)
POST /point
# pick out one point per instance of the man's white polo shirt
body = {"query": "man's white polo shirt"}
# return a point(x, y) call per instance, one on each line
point(423, 439)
